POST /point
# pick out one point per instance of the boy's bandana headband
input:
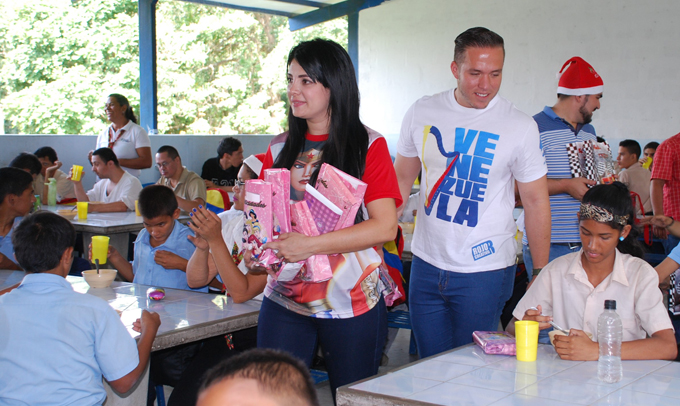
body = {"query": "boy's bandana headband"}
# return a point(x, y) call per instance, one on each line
point(590, 212)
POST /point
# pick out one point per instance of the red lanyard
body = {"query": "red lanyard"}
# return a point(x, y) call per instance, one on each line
point(111, 134)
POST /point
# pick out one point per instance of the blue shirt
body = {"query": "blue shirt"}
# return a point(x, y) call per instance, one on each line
point(148, 272)
point(6, 247)
point(55, 344)
point(555, 135)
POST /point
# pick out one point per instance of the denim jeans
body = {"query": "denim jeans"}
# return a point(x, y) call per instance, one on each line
point(446, 307)
point(556, 251)
point(352, 347)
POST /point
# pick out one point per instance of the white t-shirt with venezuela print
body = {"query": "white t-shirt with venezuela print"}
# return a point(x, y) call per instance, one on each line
point(470, 158)
point(354, 287)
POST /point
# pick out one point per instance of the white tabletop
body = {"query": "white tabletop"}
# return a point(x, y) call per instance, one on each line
point(105, 223)
point(467, 376)
point(186, 316)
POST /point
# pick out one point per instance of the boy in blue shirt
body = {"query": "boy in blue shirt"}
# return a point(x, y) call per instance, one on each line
point(16, 201)
point(57, 344)
point(162, 249)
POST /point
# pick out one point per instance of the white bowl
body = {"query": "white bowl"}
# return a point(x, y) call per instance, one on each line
point(67, 213)
point(101, 280)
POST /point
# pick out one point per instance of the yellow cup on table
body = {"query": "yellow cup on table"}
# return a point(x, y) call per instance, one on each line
point(526, 340)
point(76, 172)
point(82, 210)
point(100, 248)
point(137, 208)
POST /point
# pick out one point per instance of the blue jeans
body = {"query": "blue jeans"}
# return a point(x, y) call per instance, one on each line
point(556, 251)
point(446, 307)
point(352, 347)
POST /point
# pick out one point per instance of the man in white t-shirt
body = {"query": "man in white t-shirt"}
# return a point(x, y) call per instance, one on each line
point(471, 146)
point(116, 191)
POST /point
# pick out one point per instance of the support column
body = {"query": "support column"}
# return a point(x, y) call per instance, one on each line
point(148, 87)
point(353, 40)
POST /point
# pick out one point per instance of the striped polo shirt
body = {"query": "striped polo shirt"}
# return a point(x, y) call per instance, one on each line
point(555, 135)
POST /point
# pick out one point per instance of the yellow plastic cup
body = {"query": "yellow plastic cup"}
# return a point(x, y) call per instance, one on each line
point(100, 247)
point(137, 208)
point(76, 172)
point(82, 210)
point(648, 162)
point(526, 340)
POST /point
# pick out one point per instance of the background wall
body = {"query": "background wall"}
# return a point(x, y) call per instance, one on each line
point(73, 149)
point(406, 48)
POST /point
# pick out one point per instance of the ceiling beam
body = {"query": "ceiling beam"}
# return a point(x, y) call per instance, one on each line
point(330, 13)
point(240, 7)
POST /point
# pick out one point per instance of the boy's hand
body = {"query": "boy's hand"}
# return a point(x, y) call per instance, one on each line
point(149, 320)
point(112, 251)
point(536, 315)
point(168, 260)
point(49, 172)
point(576, 346)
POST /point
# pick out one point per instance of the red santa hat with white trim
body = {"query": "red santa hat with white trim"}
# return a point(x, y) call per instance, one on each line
point(578, 78)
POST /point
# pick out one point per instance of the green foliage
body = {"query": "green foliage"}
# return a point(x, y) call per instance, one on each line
point(220, 71)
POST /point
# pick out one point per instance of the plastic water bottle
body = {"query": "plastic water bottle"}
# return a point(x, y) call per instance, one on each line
point(52, 192)
point(609, 335)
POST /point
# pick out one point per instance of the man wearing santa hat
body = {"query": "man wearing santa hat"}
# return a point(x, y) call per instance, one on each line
point(578, 95)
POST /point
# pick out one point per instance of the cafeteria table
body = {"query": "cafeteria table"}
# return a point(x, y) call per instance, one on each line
point(186, 316)
point(468, 376)
point(116, 225)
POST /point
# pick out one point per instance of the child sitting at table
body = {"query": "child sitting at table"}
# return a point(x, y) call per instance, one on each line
point(571, 290)
point(162, 248)
point(16, 201)
point(57, 344)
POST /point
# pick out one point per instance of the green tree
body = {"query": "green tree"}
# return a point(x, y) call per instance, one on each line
point(220, 71)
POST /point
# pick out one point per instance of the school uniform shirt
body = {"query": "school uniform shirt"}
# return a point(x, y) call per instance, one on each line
point(126, 191)
point(56, 344)
point(638, 180)
point(132, 136)
point(564, 292)
point(148, 272)
point(6, 247)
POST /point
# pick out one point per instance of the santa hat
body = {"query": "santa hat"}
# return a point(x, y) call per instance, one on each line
point(254, 162)
point(578, 78)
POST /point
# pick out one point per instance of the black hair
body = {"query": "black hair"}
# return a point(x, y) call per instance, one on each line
point(157, 200)
point(47, 152)
point(170, 150)
point(106, 155)
point(277, 373)
point(328, 63)
point(615, 198)
point(653, 145)
point(27, 161)
point(123, 102)
point(14, 181)
point(228, 145)
point(41, 239)
point(632, 146)
point(477, 37)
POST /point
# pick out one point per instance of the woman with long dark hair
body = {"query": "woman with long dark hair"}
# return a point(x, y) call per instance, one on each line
point(571, 290)
point(346, 314)
point(124, 136)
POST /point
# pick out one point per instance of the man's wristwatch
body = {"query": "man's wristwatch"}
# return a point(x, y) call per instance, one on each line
point(672, 221)
point(536, 271)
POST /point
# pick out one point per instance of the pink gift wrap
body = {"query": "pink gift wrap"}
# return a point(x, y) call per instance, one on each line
point(345, 191)
point(495, 342)
point(324, 212)
point(258, 218)
point(317, 267)
point(280, 180)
